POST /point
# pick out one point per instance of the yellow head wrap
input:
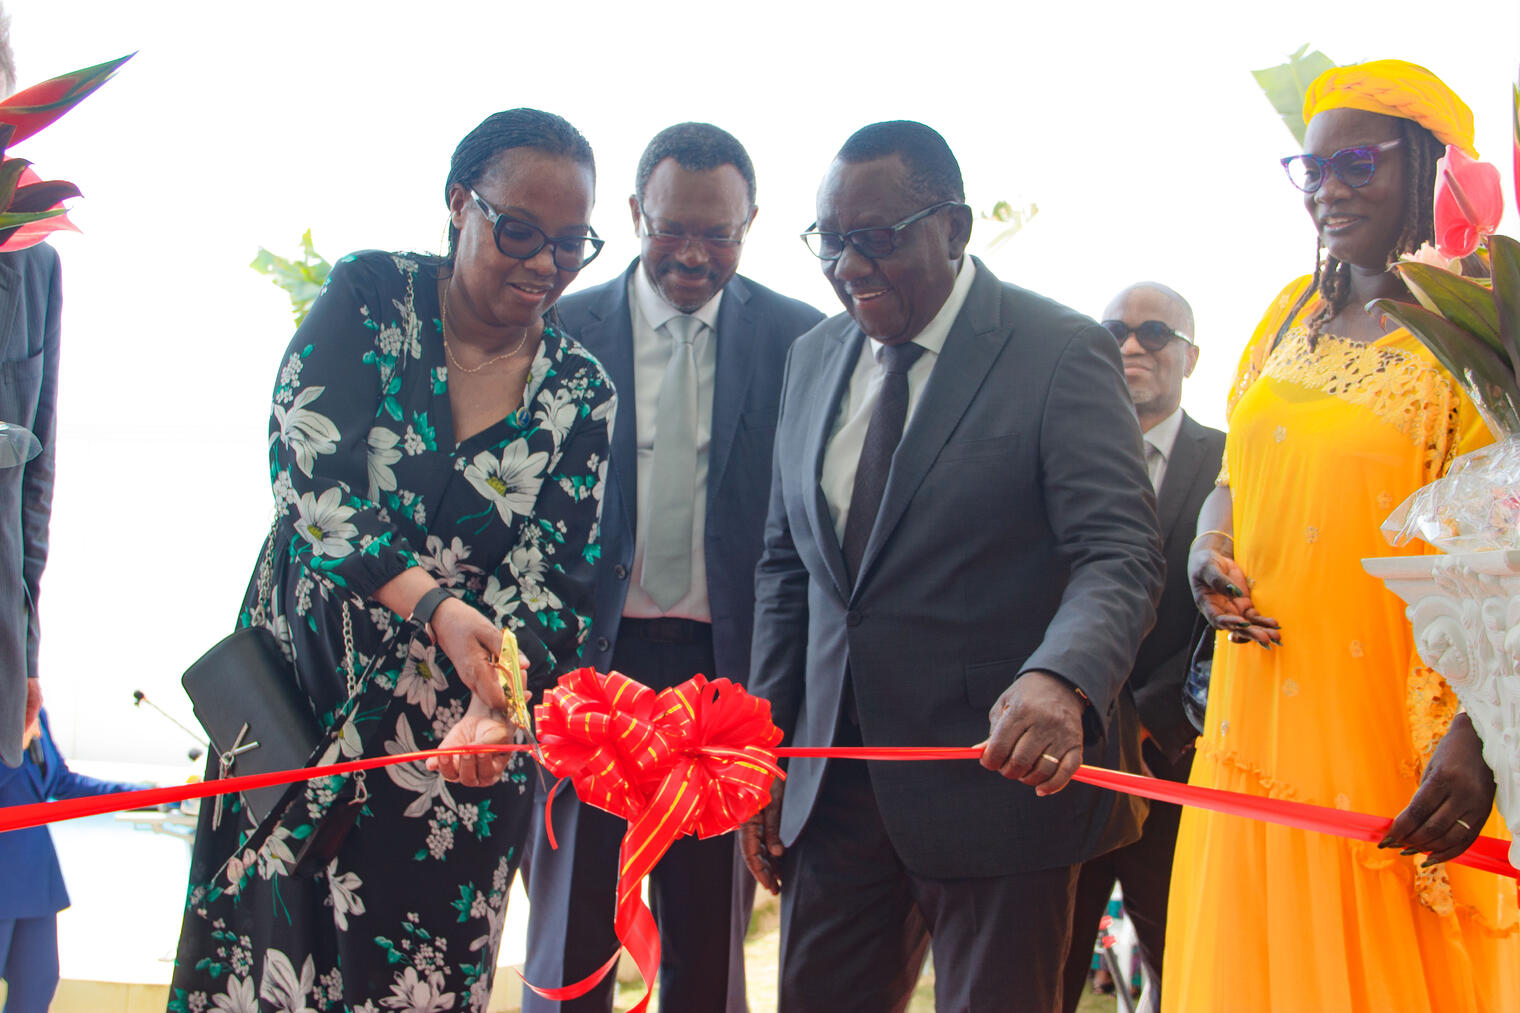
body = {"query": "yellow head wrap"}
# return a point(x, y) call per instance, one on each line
point(1395, 88)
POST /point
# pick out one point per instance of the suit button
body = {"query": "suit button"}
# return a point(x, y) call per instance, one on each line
point(853, 617)
point(620, 572)
point(602, 644)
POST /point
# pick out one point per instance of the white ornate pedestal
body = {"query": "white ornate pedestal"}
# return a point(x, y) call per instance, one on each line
point(1466, 614)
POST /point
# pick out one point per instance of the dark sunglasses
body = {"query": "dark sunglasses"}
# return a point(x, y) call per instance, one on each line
point(875, 244)
point(1153, 335)
point(521, 241)
point(1352, 166)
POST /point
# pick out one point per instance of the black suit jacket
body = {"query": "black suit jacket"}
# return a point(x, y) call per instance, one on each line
point(1162, 663)
point(756, 326)
point(30, 305)
point(1017, 532)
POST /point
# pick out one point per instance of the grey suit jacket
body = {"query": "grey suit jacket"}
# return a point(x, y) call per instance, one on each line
point(1017, 532)
point(756, 326)
point(1162, 663)
point(30, 300)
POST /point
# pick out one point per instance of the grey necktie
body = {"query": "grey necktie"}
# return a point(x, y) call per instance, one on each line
point(1154, 462)
point(673, 474)
point(883, 433)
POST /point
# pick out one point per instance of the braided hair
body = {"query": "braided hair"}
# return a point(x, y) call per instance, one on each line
point(1332, 277)
point(511, 128)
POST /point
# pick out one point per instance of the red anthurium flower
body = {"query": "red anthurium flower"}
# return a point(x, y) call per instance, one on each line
point(1469, 202)
point(35, 231)
point(30, 110)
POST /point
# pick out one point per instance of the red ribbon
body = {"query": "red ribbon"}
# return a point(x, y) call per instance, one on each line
point(699, 758)
point(695, 758)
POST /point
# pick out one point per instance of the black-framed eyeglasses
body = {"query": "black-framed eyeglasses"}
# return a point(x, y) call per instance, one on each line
point(521, 241)
point(875, 244)
point(1153, 335)
point(1352, 166)
point(670, 242)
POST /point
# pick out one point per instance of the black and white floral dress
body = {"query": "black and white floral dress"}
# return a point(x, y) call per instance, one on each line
point(408, 915)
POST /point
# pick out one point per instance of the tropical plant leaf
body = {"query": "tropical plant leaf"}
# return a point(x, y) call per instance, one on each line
point(16, 219)
point(10, 175)
point(301, 279)
point(12, 223)
point(1504, 266)
point(42, 195)
point(1515, 179)
point(1465, 303)
point(1488, 379)
point(36, 107)
point(1014, 218)
point(1286, 83)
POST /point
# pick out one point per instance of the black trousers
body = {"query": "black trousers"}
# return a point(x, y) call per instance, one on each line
point(855, 923)
point(700, 892)
point(1144, 871)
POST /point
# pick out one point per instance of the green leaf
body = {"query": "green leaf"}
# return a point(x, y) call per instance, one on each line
point(1468, 305)
point(10, 175)
point(1286, 83)
point(1480, 370)
point(1504, 266)
point(301, 280)
point(14, 219)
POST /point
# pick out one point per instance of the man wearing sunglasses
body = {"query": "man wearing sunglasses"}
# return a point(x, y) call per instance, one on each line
point(696, 352)
point(961, 549)
point(1153, 327)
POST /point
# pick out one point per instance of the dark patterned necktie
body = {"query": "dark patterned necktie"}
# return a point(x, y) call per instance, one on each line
point(882, 436)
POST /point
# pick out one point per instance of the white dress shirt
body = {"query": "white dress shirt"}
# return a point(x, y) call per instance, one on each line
point(842, 454)
point(1158, 446)
point(651, 356)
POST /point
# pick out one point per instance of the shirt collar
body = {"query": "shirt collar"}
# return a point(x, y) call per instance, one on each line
point(657, 311)
point(932, 337)
point(1163, 435)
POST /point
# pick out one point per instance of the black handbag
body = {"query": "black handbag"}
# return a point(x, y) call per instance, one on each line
point(246, 696)
point(1195, 689)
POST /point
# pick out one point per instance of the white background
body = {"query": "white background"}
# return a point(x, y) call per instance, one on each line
point(1137, 128)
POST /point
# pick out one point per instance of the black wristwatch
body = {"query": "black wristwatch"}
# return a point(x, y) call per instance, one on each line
point(427, 605)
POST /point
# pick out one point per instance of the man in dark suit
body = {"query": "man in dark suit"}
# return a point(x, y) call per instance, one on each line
point(30, 303)
point(961, 548)
point(1153, 326)
point(29, 310)
point(697, 354)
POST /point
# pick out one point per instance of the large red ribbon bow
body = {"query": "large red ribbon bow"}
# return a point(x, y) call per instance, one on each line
point(695, 758)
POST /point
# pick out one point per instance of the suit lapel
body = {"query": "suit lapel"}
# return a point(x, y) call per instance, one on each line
point(611, 334)
point(838, 366)
point(10, 301)
point(972, 345)
point(735, 354)
point(1187, 455)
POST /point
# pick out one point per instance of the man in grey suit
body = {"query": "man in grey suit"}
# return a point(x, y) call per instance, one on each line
point(961, 548)
point(1154, 329)
point(697, 354)
point(30, 300)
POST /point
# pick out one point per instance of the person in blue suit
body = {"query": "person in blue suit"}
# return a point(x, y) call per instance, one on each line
point(32, 891)
point(696, 352)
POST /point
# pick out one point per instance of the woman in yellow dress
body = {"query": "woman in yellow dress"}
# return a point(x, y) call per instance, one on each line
point(1318, 696)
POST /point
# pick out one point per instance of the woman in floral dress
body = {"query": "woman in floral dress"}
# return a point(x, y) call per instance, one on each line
point(429, 431)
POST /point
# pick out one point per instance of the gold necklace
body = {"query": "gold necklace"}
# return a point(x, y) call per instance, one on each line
point(443, 312)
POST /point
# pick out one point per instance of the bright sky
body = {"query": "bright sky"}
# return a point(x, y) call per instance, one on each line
point(1137, 128)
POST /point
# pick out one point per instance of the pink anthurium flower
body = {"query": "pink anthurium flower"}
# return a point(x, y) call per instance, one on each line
point(1469, 202)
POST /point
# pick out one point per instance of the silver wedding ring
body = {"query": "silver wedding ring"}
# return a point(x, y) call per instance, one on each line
point(1052, 759)
point(1464, 825)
